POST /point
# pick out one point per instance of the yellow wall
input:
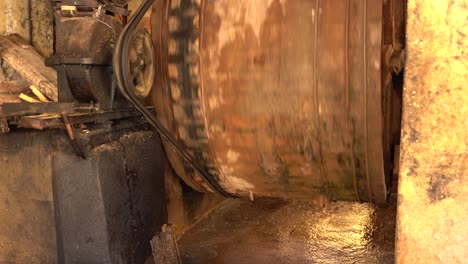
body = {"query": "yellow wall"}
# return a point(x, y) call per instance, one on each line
point(432, 222)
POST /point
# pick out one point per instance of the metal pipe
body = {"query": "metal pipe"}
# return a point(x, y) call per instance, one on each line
point(27, 20)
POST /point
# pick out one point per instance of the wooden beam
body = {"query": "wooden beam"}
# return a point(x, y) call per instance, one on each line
point(38, 94)
point(28, 98)
point(9, 98)
point(29, 64)
point(13, 87)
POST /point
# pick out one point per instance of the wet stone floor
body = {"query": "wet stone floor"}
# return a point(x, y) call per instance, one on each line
point(276, 231)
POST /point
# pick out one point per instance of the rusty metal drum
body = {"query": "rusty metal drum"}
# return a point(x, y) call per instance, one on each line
point(278, 98)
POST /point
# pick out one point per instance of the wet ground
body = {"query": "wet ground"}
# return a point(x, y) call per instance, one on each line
point(275, 231)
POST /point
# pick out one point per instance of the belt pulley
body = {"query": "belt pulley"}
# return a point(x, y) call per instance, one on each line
point(132, 71)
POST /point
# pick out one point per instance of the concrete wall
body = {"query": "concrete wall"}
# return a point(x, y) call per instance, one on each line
point(432, 224)
point(14, 22)
point(58, 208)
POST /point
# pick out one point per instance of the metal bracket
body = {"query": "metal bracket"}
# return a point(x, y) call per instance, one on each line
point(19, 109)
point(79, 148)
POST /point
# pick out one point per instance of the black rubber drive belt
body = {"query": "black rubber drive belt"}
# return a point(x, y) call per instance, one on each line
point(126, 86)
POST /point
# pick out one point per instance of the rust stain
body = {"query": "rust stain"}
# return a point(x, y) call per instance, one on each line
point(279, 93)
point(258, 78)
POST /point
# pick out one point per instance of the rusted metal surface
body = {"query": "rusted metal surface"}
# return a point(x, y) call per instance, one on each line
point(46, 121)
point(17, 109)
point(432, 220)
point(142, 62)
point(83, 61)
point(276, 98)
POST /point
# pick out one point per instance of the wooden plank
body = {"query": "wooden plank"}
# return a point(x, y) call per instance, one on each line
point(13, 87)
point(9, 98)
point(28, 98)
point(38, 94)
point(29, 64)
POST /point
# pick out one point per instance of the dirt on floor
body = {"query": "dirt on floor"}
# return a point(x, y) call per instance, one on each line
point(277, 231)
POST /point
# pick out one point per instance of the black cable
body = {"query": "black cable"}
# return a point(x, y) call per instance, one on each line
point(122, 72)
